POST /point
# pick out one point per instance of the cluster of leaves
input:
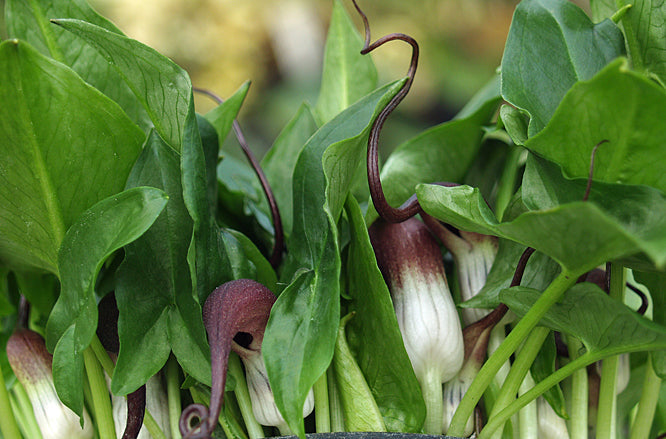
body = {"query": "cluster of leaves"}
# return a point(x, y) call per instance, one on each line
point(110, 181)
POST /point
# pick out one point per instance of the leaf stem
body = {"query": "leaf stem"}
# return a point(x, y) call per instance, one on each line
point(152, 426)
point(254, 429)
point(507, 182)
point(102, 356)
point(322, 405)
point(579, 393)
point(519, 333)
point(538, 390)
point(640, 429)
point(431, 387)
point(173, 395)
point(527, 423)
point(101, 401)
point(335, 404)
point(25, 415)
point(519, 369)
point(607, 388)
point(8, 424)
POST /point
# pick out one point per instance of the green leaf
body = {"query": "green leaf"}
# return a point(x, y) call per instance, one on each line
point(101, 230)
point(374, 334)
point(544, 365)
point(638, 210)
point(347, 75)
point(515, 123)
point(54, 164)
point(644, 29)
point(279, 162)
point(215, 255)
point(578, 235)
point(261, 269)
point(222, 117)
point(162, 87)
point(602, 9)
point(617, 105)
point(359, 408)
point(576, 49)
point(241, 198)
point(441, 153)
point(158, 311)
point(588, 313)
point(29, 21)
point(300, 335)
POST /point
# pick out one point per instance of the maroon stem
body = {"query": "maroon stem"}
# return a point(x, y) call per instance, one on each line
point(136, 408)
point(410, 207)
point(591, 173)
point(278, 246)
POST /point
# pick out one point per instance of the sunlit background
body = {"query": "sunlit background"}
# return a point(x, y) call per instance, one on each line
point(278, 45)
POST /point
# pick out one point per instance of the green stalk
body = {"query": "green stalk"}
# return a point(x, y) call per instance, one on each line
point(607, 388)
point(431, 387)
point(507, 181)
point(640, 429)
point(102, 356)
point(173, 396)
point(254, 429)
point(519, 369)
point(579, 394)
point(101, 400)
point(322, 405)
point(606, 411)
point(549, 297)
point(30, 427)
point(528, 425)
point(536, 391)
point(152, 427)
point(8, 425)
point(335, 403)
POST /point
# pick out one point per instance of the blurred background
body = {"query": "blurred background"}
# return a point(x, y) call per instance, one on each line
point(279, 45)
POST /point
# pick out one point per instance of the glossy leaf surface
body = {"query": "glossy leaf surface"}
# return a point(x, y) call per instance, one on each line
point(305, 316)
point(162, 87)
point(347, 75)
point(29, 21)
point(155, 275)
point(101, 230)
point(54, 164)
point(619, 106)
point(576, 48)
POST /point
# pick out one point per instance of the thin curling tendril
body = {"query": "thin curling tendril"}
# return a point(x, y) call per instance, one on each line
point(410, 207)
point(278, 246)
point(189, 429)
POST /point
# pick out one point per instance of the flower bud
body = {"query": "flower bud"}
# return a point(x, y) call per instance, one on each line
point(32, 365)
point(411, 263)
point(263, 402)
point(473, 255)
